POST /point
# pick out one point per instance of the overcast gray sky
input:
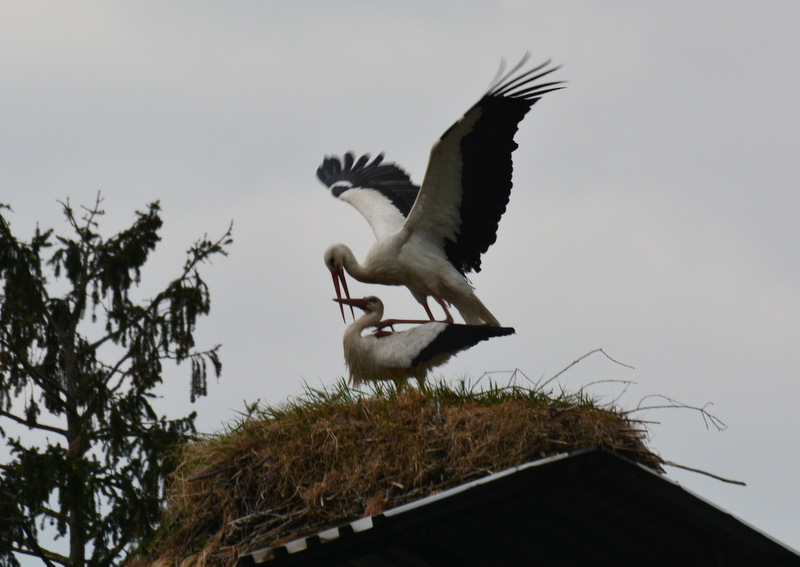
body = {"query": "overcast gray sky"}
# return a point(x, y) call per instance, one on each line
point(654, 210)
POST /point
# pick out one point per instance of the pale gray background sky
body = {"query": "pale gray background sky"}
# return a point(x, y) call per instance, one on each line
point(654, 210)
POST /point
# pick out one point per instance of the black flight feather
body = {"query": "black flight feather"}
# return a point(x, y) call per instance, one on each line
point(486, 166)
point(386, 178)
point(456, 337)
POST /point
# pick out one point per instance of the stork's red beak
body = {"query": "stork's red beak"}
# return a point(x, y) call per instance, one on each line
point(338, 274)
point(357, 302)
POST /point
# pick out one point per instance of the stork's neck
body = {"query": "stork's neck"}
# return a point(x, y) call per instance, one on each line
point(353, 266)
point(368, 319)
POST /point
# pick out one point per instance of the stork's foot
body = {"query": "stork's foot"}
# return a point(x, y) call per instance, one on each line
point(448, 317)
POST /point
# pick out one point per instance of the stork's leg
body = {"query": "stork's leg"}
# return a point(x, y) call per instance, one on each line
point(449, 318)
point(424, 302)
point(440, 301)
point(428, 309)
point(390, 322)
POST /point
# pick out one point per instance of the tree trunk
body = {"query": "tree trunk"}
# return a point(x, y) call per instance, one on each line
point(76, 516)
point(76, 481)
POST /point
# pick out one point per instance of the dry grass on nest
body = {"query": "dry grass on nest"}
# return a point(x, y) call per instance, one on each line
point(332, 457)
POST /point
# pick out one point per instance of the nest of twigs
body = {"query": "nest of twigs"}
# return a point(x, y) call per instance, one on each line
point(330, 458)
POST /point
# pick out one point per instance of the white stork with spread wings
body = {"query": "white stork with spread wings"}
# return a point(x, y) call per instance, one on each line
point(401, 355)
point(430, 237)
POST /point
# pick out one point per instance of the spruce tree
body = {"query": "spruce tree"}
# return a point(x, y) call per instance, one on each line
point(79, 362)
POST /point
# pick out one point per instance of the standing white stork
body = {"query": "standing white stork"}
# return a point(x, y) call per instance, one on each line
point(429, 238)
point(401, 355)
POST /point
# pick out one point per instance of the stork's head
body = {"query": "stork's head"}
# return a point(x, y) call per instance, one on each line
point(334, 260)
point(369, 304)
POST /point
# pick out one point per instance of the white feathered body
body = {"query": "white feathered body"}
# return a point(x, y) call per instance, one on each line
point(390, 357)
point(429, 237)
point(411, 353)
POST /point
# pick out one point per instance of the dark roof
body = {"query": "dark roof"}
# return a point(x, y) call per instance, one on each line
point(588, 507)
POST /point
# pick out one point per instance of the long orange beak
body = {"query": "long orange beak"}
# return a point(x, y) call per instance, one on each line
point(360, 303)
point(337, 275)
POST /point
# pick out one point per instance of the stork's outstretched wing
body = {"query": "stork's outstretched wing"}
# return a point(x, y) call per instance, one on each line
point(382, 192)
point(468, 181)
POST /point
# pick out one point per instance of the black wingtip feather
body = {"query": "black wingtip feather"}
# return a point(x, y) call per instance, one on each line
point(486, 165)
point(387, 178)
point(510, 85)
point(456, 337)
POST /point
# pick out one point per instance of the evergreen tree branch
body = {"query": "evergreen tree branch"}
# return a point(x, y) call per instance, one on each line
point(34, 549)
point(34, 425)
point(35, 372)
